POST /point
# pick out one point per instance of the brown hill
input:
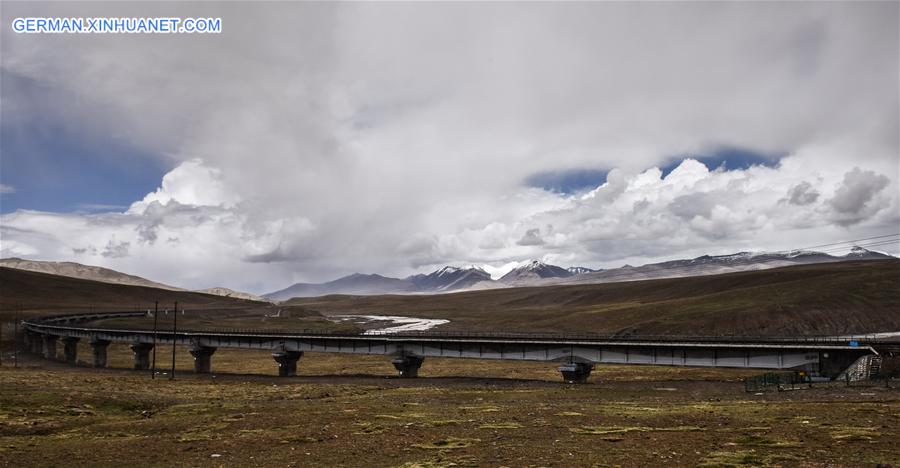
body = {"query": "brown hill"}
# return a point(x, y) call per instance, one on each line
point(219, 291)
point(833, 298)
point(26, 293)
point(78, 270)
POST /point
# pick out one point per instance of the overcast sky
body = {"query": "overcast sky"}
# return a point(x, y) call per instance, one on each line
point(312, 140)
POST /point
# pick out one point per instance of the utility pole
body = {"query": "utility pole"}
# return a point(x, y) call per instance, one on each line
point(155, 321)
point(174, 339)
point(16, 342)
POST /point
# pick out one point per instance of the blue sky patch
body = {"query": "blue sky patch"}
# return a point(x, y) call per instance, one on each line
point(732, 157)
point(568, 181)
point(63, 165)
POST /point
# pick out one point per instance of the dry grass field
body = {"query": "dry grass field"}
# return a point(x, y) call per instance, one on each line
point(351, 411)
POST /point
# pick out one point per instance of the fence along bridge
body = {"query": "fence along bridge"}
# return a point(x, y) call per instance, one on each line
point(577, 354)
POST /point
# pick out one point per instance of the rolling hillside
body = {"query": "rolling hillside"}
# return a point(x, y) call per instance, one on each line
point(86, 272)
point(830, 298)
point(24, 293)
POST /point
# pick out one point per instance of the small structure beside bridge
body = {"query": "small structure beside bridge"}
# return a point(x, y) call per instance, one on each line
point(576, 354)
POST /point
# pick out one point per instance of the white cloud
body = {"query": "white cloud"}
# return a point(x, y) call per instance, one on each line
point(631, 218)
point(191, 183)
point(802, 194)
point(7, 188)
point(853, 199)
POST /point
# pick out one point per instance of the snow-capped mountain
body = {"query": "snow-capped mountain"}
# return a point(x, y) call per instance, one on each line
point(536, 273)
point(577, 270)
point(859, 253)
point(449, 278)
point(534, 270)
point(717, 264)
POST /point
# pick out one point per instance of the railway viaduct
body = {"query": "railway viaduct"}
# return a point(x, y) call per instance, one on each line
point(576, 354)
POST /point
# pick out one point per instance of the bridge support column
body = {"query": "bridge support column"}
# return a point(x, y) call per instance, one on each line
point(98, 351)
point(202, 358)
point(408, 366)
point(36, 343)
point(70, 349)
point(50, 346)
point(141, 353)
point(287, 362)
point(576, 372)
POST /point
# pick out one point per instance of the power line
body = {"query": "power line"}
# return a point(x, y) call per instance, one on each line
point(845, 242)
point(864, 245)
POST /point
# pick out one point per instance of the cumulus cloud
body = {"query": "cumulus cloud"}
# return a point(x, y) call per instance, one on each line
point(852, 200)
point(191, 183)
point(630, 218)
point(312, 140)
point(802, 194)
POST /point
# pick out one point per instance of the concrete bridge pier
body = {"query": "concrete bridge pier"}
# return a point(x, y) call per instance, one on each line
point(202, 358)
point(26, 340)
point(141, 353)
point(50, 346)
point(287, 362)
point(70, 349)
point(36, 343)
point(408, 365)
point(576, 372)
point(98, 350)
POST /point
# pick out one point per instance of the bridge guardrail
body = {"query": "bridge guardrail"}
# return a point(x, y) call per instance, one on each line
point(57, 321)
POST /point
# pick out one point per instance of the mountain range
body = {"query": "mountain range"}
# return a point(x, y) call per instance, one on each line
point(537, 273)
point(456, 279)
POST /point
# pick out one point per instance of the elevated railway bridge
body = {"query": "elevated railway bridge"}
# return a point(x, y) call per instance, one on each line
point(576, 354)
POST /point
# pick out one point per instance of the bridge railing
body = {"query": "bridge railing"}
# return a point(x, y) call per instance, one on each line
point(63, 322)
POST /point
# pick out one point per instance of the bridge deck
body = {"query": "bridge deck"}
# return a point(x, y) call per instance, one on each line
point(815, 355)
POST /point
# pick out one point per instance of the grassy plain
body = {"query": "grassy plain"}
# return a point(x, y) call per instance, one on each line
point(351, 411)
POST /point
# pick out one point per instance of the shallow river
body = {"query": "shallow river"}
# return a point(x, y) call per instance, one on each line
point(381, 324)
